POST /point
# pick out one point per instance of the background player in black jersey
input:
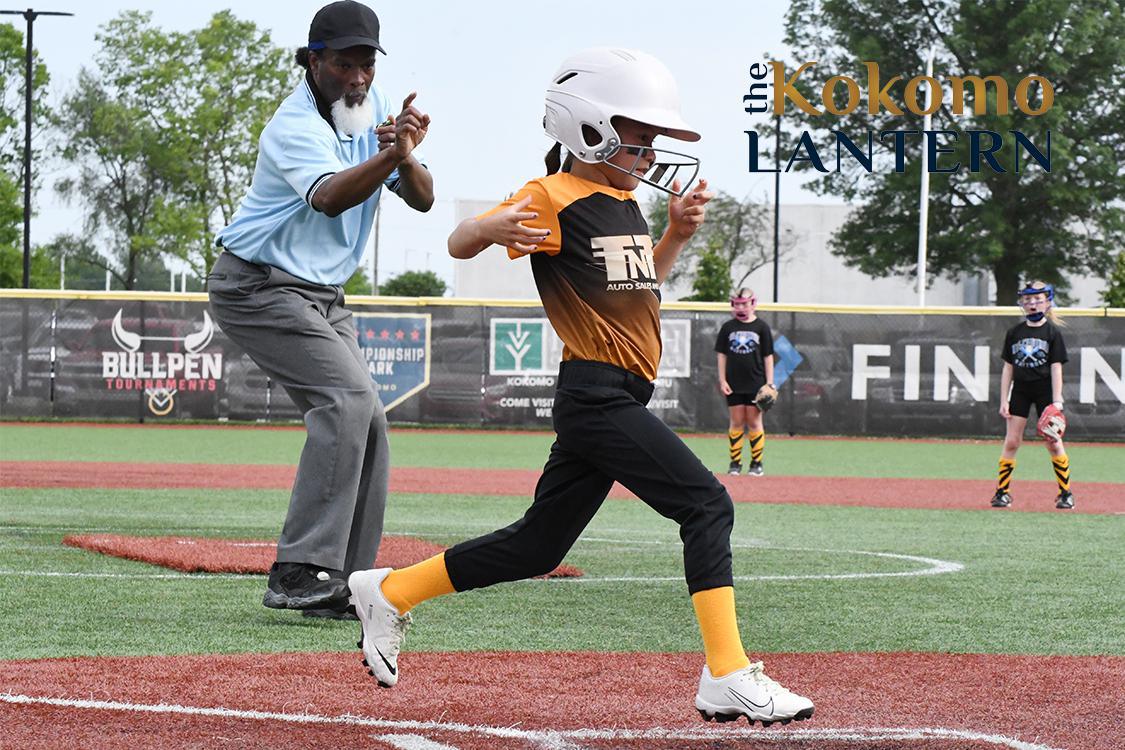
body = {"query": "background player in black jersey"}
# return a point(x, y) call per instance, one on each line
point(1034, 354)
point(598, 273)
point(745, 353)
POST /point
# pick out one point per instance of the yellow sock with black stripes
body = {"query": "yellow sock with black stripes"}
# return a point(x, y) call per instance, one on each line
point(409, 587)
point(1062, 471)
point(757, 445)
point(735, 437)
point(1004, 478)
point(714, 609)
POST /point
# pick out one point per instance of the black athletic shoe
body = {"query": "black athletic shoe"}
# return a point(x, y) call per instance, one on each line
point(735, 468)
point(303, 586)
point(1001, 499)
point(332, 613)
point(756, 469)
point(1065, 500)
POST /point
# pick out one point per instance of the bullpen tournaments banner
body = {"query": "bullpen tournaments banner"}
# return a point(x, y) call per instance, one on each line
point(839, 371)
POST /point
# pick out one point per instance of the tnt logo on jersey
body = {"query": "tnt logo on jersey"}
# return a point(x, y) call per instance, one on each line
point(743, 342)
point(1030, 352)
point(629, 262)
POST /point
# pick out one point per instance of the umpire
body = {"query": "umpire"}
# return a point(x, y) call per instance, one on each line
point(276, 291)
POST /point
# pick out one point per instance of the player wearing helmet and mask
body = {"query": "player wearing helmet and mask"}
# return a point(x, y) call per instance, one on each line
point(1034, 354)
point(744, 349)
point(599, 273)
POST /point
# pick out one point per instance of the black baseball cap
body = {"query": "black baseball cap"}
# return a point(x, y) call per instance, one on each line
point(344, 24)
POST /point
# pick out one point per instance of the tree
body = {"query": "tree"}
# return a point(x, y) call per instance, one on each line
point(210, 93)
point(1114, 294)
point(1033, 224)
point(123, 174)
point(165, 135)
point(357, 284)
point(12, 107)
point(44, 268)
point(712, 279)
point(739, 234)
point(414, 284)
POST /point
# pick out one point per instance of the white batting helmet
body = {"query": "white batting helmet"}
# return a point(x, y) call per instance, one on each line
point(595, 85)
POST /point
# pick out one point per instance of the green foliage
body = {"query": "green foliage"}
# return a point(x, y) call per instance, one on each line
point(358, 283)
point(712, 279)
point(1114, 294)
point(414, 284)
point(737, 234)
point(44, 268)
point(12, 108)
point(164, 134)
point(1028, 225)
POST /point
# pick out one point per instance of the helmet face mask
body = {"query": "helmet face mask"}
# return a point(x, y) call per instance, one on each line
point(664, 170)
point(743, 303)
point(1027, 304)
point(593, 87)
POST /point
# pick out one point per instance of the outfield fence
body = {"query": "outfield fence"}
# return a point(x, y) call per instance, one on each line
point(841, 369)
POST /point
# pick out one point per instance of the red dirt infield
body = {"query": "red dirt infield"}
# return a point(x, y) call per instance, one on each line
point(564, 701)
point(210, 555)
point(955, 494)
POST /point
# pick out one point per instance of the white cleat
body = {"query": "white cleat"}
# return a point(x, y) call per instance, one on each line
point(383, 629)
point(750, 693)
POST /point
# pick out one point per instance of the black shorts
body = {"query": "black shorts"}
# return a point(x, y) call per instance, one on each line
point(744, 395)
point(1025, 394)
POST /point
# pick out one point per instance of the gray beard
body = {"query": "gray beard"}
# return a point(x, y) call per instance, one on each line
point(352, 121)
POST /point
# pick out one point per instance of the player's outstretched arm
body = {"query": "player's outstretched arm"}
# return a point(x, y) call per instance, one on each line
point(505, 227)
point(685, 216)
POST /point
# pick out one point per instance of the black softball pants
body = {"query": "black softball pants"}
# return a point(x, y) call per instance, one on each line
point(605, 434)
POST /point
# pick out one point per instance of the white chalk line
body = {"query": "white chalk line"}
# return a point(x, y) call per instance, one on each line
point(934, 567)
point(548, 739)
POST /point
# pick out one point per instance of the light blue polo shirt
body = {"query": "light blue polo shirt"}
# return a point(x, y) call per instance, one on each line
point(276, 224)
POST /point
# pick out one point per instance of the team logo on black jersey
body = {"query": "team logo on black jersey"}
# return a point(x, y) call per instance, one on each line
point(1030, 352)
point(743, 342)
point(629, 262)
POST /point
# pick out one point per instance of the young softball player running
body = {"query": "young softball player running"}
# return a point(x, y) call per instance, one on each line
point(598, 273)
point(1034, 354)
point(744, 349)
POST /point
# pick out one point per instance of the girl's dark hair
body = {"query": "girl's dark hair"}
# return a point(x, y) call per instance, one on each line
point(554, 160)
point(302, 57)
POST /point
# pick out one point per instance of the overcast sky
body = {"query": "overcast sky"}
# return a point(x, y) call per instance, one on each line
point(481, 70)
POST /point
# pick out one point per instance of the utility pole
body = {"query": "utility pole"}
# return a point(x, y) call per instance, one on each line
point(29, 14)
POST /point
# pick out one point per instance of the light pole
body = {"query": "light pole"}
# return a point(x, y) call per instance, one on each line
point(776, 207)
point(30, 14)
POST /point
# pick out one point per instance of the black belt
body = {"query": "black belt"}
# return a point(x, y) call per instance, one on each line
point(580, 372)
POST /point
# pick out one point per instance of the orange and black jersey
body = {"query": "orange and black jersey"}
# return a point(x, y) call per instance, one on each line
point(595, 272)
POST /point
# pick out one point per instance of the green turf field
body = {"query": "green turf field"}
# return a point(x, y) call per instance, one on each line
point(1041, 583)
point(503, 450)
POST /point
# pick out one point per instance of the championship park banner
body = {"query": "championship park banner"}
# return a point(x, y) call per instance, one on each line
point(851, 371)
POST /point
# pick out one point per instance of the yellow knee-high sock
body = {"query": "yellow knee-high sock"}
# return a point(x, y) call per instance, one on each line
point(1062, 471)
point(1004, 479)
point(735, 437)
point(409, 587)
point(757, 445)
point(714, 609)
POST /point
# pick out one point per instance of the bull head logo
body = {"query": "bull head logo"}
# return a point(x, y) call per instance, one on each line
point(193, 342)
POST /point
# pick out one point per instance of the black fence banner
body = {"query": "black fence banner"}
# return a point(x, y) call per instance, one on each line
point(848, 371)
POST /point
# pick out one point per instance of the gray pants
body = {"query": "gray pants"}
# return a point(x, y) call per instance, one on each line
point(303, 337)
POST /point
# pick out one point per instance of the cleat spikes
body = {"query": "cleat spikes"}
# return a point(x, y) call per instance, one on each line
point(359, 643)
point(365, 662)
